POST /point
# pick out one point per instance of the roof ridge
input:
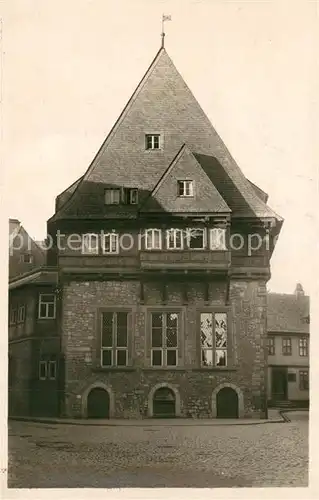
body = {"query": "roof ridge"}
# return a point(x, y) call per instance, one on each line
point(114, 128)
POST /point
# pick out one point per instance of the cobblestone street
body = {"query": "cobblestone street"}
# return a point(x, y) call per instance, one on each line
point(58, 456)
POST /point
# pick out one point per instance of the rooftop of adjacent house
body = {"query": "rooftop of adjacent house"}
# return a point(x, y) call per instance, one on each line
point(288, 313)
point(162, 103)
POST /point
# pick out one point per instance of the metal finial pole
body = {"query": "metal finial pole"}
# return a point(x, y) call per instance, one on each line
point(164, 18)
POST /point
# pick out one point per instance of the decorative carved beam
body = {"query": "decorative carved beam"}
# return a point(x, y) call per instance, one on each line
point(142, 298)
point(185, 292)
point(227, 290)
point(164, 292)
point(206, 290)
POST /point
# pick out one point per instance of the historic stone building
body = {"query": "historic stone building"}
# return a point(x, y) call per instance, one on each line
point(158, 269)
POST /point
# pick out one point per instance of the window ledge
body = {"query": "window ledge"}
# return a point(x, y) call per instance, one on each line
point(216, 369)
point(113, 369)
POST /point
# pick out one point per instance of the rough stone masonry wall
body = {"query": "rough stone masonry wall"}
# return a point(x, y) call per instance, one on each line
point(130, 389)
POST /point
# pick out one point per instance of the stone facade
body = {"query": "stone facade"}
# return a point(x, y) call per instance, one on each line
point(131, 386)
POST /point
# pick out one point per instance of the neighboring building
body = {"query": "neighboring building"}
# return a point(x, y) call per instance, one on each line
point(288, 348)
point(25, 254)
point(159, 307)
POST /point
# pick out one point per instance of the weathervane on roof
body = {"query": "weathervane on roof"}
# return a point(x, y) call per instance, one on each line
point(164, 18)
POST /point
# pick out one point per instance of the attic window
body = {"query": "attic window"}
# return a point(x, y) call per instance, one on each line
point(112, 196)
point(152, 141)
point(185, 188)
point(26, 258)
point(131, 196)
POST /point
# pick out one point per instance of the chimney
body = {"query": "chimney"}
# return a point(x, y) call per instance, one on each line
point(299, 291)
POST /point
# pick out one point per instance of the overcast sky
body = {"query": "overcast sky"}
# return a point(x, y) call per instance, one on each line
point(69, 67)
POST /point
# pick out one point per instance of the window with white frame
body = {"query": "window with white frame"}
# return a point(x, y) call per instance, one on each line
point(90, 244)
point(164, 338)
point(52, 369)
point(304, 380)
point(133, 196)
point(196, 239)
point(286, 346)
point(271, 345)
point(217, 238)
point(43, 370)
point(153, 239)
point(13, 316)
point(110, 243)
point(213, 337)
point(47, 306)
point(112, 196)
point(114, 339)
point(175, 239)
point(303, 346)
point(185, 188)
point(21, 314)
point(152, 141)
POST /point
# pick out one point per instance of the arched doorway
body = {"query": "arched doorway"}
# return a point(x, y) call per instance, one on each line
point(98, 403)
point(227, 403)
point(164, 404)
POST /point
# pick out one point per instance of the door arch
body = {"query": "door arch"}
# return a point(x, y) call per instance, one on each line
point(98, 403)
point(164, 403)
point(227, 403)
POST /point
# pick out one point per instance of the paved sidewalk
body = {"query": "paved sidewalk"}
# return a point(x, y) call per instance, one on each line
point(274, 416)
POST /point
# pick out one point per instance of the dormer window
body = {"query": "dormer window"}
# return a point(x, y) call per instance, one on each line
point(131, 196)
point(112, 196)
point(185, 188)
point(152, 141)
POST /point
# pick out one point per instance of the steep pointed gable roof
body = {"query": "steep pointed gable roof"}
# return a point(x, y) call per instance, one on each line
point(162, 103)
point(164, 195)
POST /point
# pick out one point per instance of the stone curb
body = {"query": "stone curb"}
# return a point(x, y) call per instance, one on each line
point(282, 420)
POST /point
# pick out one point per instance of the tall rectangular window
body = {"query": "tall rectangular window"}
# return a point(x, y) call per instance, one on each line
point(152, 141)
point(286, 346)
point(304, 380)
point(153, 239)
point(13, 316)
point(164, 338)
point(112, 196)
point(175, 239)
point(185, 188)
point(217, 238)
point(21, 314)
point(303, 346)
point(43, 370)
point(47, 306)
point(110, 243)
point(271, 346)
point(90, 244)
point(196, 239)
point(213, 331)
point(114, 339)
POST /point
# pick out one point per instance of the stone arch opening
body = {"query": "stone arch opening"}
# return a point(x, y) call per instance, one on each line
point(164, 401)
point(97, 401)
point(227, 402)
